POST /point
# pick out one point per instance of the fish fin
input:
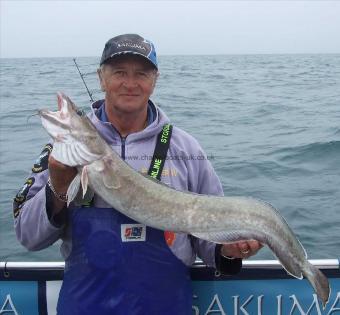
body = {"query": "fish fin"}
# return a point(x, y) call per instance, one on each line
point(286, 259)
point(216, 237)
point(73, 189)
point(223, 237)
point(233, 236)
point(84, 180)
point(72, 153)
point(318, 281)
point(111, 182)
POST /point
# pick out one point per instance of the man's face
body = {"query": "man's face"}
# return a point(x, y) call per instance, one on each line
point(128, 82)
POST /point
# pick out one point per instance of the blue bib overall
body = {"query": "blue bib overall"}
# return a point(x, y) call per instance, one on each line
point(105, 276)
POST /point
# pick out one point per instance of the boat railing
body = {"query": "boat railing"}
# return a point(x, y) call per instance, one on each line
point(247, 264)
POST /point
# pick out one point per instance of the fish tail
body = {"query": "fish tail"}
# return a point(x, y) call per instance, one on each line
point(319, 282)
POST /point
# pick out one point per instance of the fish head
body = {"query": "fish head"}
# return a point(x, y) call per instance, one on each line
point(59, 123)
point(76, 140)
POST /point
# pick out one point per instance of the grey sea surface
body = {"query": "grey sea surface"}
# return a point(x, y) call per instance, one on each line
point(269, 123)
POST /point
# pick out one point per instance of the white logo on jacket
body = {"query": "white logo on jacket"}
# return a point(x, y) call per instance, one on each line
point(133, 232)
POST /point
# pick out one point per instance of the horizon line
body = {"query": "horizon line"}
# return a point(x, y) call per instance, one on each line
point(184, 55)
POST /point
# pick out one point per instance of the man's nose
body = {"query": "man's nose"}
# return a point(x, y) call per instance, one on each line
point(130, 81)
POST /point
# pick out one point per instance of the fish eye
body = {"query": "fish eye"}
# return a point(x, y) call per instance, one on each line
point(80, 112)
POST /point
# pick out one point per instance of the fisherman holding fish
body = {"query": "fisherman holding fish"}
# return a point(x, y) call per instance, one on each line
point(113, 264)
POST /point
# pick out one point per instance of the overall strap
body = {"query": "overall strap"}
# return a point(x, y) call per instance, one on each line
point(161, 149)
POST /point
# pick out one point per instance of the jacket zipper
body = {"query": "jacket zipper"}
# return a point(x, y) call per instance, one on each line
point(123, 140)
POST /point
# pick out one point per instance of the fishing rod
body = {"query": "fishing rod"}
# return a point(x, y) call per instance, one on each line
point(82, 77)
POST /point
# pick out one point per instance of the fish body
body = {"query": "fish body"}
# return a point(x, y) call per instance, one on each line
point(212, 218)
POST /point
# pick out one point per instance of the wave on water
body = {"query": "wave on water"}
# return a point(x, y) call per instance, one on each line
point(47, 72)
point(216, 77)
point(337, 132)
point(251, 170)
point(313, 152)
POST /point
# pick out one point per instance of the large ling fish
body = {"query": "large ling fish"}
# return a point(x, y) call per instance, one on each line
point(218, 219)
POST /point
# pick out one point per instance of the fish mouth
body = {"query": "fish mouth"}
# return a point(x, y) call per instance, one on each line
point(49, 118)
point(59, 115)
point(49, 115)
point(45, 113)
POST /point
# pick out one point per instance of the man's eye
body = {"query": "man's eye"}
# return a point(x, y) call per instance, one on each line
point(119, 73)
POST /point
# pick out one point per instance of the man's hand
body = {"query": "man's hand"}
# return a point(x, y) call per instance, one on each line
point(243, 249)
point(61, 177)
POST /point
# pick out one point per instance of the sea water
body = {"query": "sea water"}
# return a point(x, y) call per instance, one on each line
point(270, 125)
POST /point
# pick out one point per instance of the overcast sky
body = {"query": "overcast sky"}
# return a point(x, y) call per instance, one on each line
point(80, 28)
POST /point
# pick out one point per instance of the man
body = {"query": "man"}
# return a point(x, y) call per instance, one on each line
point(113, 264)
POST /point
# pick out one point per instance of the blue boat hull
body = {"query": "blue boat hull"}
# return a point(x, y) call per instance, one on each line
point(262, 288)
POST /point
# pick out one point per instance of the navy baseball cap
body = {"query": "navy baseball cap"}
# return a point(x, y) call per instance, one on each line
point(129, 44)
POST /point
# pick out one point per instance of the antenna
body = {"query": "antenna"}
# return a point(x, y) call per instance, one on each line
point(82, 77)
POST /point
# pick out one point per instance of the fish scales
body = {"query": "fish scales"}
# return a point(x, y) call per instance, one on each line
point(213, 218)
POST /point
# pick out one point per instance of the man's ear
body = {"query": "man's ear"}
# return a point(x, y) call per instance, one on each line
point(156, 78)
point(101, 80)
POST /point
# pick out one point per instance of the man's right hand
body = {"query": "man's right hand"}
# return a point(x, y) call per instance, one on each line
point(61, 177)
